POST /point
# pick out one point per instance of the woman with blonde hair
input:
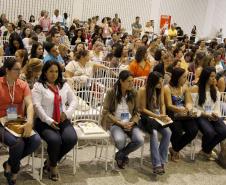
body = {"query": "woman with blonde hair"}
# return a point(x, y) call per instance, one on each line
point(32, 71)
point(21, 56)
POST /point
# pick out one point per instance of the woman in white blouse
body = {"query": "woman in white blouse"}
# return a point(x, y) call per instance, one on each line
point(207, 103)
point(55, 103)
point(82, 68)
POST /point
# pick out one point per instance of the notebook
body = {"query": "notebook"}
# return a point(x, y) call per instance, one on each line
point(90, 128)
point(163, 124)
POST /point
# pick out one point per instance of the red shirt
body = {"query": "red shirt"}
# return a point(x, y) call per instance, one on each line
point(21, 91)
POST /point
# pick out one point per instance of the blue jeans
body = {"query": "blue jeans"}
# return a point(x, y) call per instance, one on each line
point(119, 137)
point(159, 152)
point(18, 147)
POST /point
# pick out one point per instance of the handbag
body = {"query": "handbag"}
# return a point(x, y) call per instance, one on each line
point(15, 125)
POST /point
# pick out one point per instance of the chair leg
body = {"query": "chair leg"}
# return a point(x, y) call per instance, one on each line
point(193, 149)
point(106, 156)
point(75, 158)
point(142, 155)
point(101, 150)
point(96, 150)
point(33, 167)
point(113, 158)
point(42, 158)
point(28, 160)
point(219, 148)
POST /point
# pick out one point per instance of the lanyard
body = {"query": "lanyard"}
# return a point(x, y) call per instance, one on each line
point(11, 95)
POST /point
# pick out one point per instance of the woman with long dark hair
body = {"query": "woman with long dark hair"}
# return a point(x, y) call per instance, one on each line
point(152, 106)
point(208, 108)
point(50, 96)
point(120, 116)
point(180, 108)
point(37, 50)
point(15, 43)
point(78, 37)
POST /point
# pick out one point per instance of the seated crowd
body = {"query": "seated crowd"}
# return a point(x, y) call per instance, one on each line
point(184, 80)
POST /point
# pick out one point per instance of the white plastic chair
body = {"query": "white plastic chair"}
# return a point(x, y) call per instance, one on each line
point(90, 103)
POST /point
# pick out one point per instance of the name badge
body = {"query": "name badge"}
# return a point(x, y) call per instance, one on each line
point(12, 112)
point(208, 108)
point(125, 117)
point(157, 111)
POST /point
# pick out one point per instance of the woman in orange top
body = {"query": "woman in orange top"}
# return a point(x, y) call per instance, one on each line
point(140, 66)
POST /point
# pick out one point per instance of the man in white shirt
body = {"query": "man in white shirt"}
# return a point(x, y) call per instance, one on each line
point(57, 17)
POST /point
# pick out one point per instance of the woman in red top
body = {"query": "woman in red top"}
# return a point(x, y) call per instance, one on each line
point(140, 66)
point(14, 93)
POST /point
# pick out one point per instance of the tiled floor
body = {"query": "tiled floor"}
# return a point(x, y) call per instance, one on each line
point(91, 171)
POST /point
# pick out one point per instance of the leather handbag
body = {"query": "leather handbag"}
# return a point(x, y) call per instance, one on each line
point(15, 125)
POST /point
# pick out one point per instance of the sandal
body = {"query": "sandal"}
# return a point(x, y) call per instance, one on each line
point(54, 175)
point(174, 155)
point(158, 170)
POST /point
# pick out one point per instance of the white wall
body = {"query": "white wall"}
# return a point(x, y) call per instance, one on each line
point(13, 8)
point(185, 13)
point(207, 15)
point(219, 18)
point(126, 9)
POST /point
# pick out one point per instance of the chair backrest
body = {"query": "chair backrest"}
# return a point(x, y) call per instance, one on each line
point(100, 73)
point(106, 73)
point(106, 63)
point(190, 77)
point(109, 82)
point(139, 82)
point(72, 47)
point(3, 42)
point(89, 101)
point(223, 104)
point(6, 57)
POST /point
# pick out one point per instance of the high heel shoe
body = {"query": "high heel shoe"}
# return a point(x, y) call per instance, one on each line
point(8, 175)
point(54, 174)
